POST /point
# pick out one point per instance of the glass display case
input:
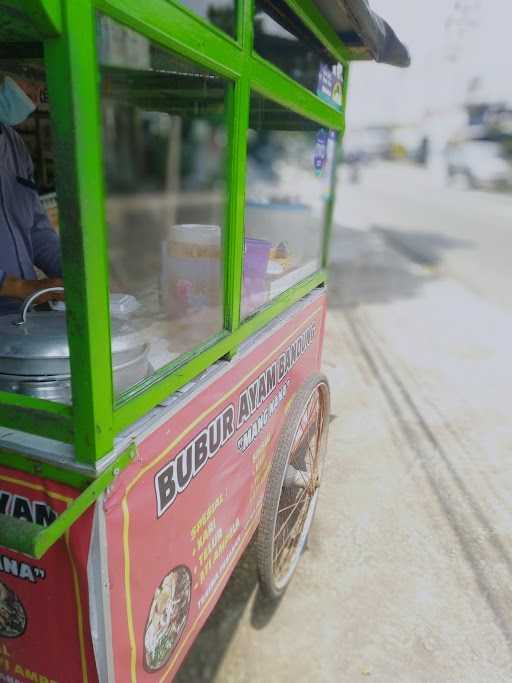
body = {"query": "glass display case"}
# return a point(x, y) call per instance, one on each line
point(289, 188)
point(220, 13)
point(164, 150)
point(282, 38)
point(195, 188)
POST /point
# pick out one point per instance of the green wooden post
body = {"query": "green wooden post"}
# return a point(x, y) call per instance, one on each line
point(238, 108)
point(73, 93)
point(332, 198)
point(239, 120)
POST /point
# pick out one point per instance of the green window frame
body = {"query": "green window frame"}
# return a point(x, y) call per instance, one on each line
point(68, 32)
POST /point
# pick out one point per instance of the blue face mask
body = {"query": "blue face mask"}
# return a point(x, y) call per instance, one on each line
point(15, 105)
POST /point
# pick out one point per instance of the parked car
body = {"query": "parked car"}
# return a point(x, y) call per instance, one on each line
point(478, 164)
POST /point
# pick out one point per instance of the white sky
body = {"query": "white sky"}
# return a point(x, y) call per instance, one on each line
point(382, 94)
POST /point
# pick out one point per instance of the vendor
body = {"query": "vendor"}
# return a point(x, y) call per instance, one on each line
point(27, 238)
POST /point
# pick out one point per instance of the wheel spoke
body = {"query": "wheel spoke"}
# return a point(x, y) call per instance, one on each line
point(298, 521)
point(306, 481)
point(303, 473)
point(289, 507)
point(304, 498)
point(303, 504)
point(305, 435)
point(311, 461)
point(298, 436)
point(294, 505)
point(292, 534)
point(303, 423)
point(313, 456)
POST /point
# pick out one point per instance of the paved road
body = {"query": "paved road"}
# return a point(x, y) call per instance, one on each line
point(466, 235)
point(408, 577)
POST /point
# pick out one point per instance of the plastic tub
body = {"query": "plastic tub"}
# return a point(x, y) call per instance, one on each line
point(193, 271)
point(292, 223)
point(256, 255)
point(255, 292)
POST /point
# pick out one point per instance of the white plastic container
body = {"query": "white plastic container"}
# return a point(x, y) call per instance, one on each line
point(121, 305)
point(280, 222)
point(193, 269)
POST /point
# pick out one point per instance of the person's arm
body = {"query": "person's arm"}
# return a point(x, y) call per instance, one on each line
point(45, 241)
point(15, 288)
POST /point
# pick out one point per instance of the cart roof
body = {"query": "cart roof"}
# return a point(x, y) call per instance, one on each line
point(366, 34)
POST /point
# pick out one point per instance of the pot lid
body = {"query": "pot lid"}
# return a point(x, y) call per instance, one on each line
point(43, 339)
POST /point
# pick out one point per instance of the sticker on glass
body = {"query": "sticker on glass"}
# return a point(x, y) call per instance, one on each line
point(330, 85)
point(320, 157)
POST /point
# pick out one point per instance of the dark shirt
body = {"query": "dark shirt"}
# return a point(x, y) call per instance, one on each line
point(27, 238)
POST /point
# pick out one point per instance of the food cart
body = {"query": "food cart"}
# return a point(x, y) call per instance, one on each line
point(174, 405)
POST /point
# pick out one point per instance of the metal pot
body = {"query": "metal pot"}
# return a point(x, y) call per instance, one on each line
point(34, 353)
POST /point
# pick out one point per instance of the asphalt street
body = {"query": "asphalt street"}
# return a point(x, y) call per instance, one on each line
point(465, 235)
point(408, 573)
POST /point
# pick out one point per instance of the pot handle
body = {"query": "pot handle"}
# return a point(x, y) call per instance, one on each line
point(30, 300)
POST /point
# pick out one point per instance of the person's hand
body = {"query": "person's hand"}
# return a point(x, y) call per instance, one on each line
point(38, 285)
point(21, 289)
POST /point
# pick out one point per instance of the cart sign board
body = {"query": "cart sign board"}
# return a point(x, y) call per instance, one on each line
point(179, 517)
point(176, 522)
point(44, 605)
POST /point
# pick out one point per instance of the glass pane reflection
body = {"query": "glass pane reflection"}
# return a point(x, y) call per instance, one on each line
point(164, 148)
point(289, 180)
point(282, 39)
point(221, 13)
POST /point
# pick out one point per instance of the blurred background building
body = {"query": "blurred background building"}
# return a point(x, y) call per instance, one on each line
point(451, 111)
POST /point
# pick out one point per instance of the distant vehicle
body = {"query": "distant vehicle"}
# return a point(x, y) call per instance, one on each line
point(366, 145)
point(478, 164)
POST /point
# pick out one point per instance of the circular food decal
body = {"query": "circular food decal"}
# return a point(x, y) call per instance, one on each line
point(167, 617)
point(13, 619)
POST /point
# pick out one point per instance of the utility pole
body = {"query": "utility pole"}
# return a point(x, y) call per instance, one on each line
point(463, 77)
point(462, 23)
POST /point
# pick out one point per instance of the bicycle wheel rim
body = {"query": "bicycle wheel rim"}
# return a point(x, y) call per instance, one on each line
point(296, 506)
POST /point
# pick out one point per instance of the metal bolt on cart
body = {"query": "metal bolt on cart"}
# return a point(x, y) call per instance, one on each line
point(182, 157)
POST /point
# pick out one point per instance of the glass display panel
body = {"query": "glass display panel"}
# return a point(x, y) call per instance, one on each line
point(221, 13)
point(164, 141)
point(289, 181)
point(34, 353)
point(282, 39)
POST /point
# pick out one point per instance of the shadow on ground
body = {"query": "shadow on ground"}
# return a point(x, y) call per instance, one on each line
point(423, 248)
point(383, 264)
point(207, 653)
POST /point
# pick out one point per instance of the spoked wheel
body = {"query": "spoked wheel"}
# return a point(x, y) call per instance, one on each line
point(293, 486)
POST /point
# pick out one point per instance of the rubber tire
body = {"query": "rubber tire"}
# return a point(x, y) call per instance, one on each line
point(265, 534)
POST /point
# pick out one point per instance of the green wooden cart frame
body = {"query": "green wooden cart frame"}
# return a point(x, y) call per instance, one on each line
point(65, 31)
